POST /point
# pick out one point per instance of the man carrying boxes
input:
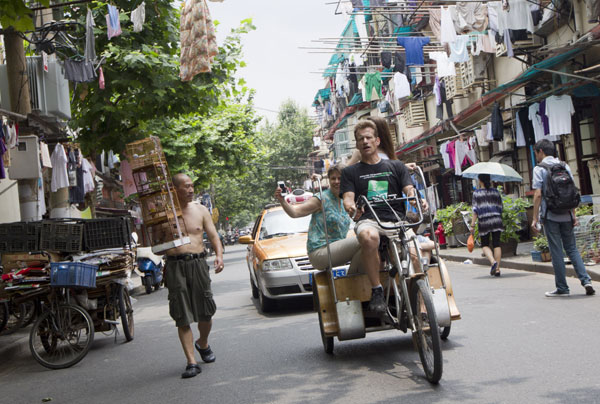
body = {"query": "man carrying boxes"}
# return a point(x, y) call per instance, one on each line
point(176, 225)
point(187, 278)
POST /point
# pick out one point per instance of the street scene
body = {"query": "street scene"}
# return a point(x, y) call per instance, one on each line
point(504, 350)
point(285, 202)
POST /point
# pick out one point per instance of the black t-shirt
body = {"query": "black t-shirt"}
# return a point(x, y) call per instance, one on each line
point(386, 178)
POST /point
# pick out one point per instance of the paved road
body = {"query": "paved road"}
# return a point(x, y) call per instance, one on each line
point(513, 345)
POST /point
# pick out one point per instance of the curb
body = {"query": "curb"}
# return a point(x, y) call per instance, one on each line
point(522, 266)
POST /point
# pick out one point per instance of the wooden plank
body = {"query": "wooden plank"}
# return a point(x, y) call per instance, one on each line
point(454, 313)
point(355, 287)
point(327, 306)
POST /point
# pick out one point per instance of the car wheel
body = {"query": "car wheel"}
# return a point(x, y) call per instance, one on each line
point(266, 304)
point(254, 289)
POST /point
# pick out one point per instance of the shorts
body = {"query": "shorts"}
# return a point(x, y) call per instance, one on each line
point(361, 225)
point(342, 251)
point(190, 297)
point(485, 239)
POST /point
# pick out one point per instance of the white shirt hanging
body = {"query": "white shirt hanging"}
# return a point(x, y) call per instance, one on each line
point(88, 178)
point(138, 17)
point(559, 109)
point(401, 85)
point(520, 134)
point(448, 32)
point(536, 121)
point(60, 178)
point(444, 66)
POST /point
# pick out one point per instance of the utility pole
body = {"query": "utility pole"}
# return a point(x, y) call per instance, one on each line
point(16, 69)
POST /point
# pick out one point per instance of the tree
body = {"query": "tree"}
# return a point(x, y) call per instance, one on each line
point(16, 14)
point(285, 143)
point(143, 90)
point(290, 141)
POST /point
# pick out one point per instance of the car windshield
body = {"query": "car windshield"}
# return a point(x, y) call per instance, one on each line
point(277, 223)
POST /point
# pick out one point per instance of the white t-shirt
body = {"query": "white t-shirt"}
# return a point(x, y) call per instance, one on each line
point(536, 121)
point(448, 32)
point(60, 178)
point(444, 66)
point(401, 85)
point(559, 109)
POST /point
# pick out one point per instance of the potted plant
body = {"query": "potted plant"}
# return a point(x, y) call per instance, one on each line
point(541, 249)
point(447, 216)
point(512, 213)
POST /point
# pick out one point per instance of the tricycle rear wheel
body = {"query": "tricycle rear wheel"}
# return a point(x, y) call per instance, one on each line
point(427, 330)
point(327, 341)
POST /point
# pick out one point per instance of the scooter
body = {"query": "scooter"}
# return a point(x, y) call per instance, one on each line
point(151, 266)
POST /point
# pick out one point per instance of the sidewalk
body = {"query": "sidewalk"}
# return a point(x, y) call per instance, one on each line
point(521, 261)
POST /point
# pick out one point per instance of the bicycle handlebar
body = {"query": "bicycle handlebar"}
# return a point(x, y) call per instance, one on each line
point(363, 201)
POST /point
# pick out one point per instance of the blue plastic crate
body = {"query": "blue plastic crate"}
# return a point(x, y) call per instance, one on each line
point(73, 275)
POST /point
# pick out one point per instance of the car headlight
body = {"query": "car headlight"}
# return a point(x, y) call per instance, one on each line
point(277, 265)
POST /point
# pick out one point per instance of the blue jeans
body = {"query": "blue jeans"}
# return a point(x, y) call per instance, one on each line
point(560, 235)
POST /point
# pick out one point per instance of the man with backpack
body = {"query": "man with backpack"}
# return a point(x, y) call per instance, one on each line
point(554, 203)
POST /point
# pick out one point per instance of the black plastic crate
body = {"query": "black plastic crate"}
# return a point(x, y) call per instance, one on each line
point(20, 237)
point(61, 236)
point(104, 233)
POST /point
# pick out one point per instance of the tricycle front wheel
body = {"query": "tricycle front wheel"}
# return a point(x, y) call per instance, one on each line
point(126, 312)
point(60, 338)
point(427, 330)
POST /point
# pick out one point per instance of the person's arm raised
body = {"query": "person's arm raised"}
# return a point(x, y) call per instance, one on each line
point(304, 209)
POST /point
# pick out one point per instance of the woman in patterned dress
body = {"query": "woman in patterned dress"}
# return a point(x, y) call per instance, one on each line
point(487, 210)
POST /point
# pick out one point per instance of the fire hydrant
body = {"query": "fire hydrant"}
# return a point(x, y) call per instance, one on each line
point(439, 232)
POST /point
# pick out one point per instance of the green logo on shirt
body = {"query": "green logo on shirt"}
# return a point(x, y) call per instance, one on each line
point(377, 188)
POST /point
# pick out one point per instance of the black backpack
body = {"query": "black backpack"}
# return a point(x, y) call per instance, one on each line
point(559, 190)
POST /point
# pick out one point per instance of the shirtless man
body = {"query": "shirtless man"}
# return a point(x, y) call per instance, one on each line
point(187, 278)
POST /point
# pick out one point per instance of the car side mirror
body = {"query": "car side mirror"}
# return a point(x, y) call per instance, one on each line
point(246, 240)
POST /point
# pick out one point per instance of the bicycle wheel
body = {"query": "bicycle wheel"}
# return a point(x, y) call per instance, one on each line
point(16, 316)
point(60, 338)
point(30, 313)
point(428, 332)
point(3, 315)
point(126, 312)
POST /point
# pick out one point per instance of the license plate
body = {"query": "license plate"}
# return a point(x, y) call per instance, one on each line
point(337, 273)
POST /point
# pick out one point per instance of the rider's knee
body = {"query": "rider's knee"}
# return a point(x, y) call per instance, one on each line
point(369, 238)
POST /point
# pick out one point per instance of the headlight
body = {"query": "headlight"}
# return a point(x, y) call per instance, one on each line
point(277, 265)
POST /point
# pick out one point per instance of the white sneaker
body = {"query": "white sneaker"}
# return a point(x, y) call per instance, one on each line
point(557, 293)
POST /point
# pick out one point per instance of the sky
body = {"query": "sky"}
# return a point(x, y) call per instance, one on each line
point(276, 68)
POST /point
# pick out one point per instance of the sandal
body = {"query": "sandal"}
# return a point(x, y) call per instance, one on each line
point(208, 356)
point(497, 273)
point(493, 269)
point(191, 370)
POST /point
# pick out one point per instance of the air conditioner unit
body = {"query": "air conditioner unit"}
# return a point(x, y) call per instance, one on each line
point(49, 91)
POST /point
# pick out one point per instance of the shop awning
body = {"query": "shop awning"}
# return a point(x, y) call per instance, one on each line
point(323, 94)
point(534, 70)
point(350, 31)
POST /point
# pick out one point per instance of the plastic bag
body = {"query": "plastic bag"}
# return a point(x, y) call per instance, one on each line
point(470, 243)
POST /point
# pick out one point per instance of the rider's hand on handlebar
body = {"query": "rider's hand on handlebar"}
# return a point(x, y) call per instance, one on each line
point(315, 177)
